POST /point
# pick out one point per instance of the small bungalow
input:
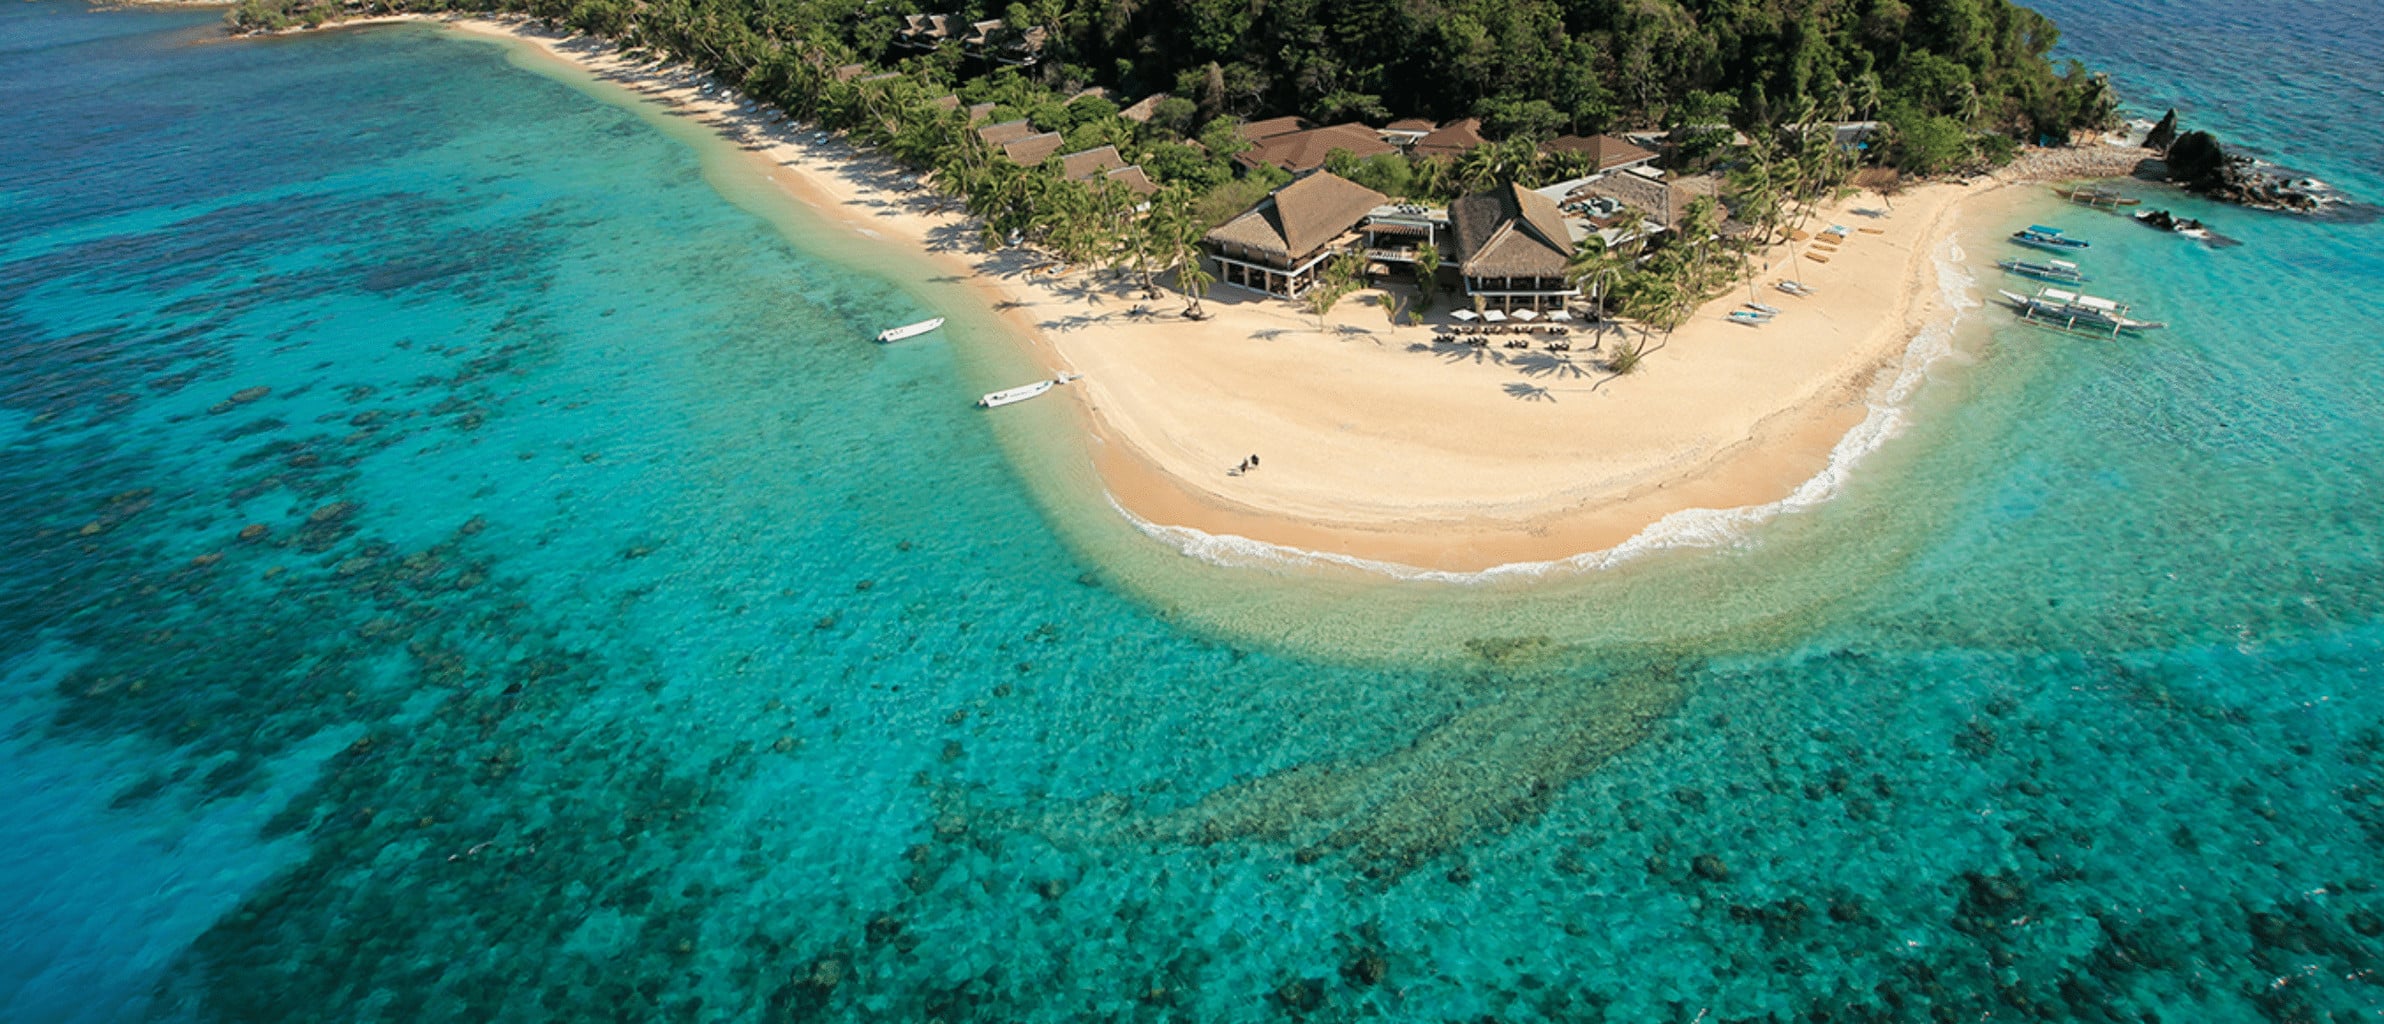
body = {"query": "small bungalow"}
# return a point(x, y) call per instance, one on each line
point(849, 72)
point(1255, 131)
point(1279, 246)
point(1087, 164)
point(1512, 247)
point(1005, 133)
point(1144, 109)
point(1302, 151)
point(979, 111)
point(946, 102)
point(996, 42)
point(1605, 152)
point(923, 31)
point(1451, 140)
point(1135, 180)
point(1033, 149)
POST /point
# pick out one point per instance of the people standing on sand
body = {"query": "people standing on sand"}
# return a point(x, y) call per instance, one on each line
point(1252, 463)
point(1243, 468)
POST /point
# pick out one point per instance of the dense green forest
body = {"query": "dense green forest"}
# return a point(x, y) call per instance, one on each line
point(1957, 83)
point(1525, 66)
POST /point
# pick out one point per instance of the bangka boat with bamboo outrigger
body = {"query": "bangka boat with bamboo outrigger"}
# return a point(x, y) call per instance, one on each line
point(894, 334)
point(2075, 313)
point(2095, 196)
point(2056, 271)
point(2039, 236)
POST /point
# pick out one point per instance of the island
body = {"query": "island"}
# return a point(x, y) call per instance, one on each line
point(1514, 285)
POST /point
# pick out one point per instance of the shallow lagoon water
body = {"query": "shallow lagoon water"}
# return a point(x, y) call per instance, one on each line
point(628, 637)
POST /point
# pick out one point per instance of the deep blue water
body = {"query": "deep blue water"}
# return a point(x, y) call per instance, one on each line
point(615, 634)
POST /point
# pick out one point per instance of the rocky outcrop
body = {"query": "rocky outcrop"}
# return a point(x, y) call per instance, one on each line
point(2197, 161)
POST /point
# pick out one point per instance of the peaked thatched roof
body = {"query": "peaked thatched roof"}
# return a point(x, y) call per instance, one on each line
point(1606, 151)
point(1303, 151)
point(1271, 127)
point(1410, 126)
point(1510, 231)
point(1301, 217)
point(851, 71)
point(1005, 133)
point(1135, 180)
point(1452, 138)
point(1144, 108)
point(946, 101)
point(979, 112)
point(1033, 149)
point(1091, 162)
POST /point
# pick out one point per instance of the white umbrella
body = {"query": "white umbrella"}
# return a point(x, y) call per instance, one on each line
point(1560, 316)
point(1465, 314)
point(1494, 316)
point(1527, 314)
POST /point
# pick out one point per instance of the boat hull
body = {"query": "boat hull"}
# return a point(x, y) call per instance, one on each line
point(894, 334)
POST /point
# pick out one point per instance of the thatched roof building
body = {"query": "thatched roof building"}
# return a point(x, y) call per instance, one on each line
point(1033, 149)
point(1276, 245)
point(1307, 150)
point(1512, 246)
point(1606, 152)
point(1451, 139)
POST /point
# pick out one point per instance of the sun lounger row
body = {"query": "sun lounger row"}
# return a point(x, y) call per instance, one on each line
point(1556, 329)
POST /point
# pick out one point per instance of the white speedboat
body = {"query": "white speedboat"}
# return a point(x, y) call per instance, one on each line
point(892, 334)
point(1010, 396)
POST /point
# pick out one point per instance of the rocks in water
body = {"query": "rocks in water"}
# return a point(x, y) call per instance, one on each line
point(1366, 969)
point(334, 512)
point(2198, 162)
point(250, 394)
point(2163, 134)
point(254, 532)
point(1710, 868)
point(1300, 995)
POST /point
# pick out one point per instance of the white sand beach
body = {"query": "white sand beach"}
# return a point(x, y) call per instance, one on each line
point(1385, 442)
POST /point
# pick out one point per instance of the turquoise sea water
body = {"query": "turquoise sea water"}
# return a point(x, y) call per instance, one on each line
point(627, 638)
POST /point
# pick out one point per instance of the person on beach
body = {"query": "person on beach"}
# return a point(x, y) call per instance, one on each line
point(1243, 468)
point(1252, 464)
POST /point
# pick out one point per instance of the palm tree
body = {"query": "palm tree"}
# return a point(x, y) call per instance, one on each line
point(1193, 280)
point(1865, 94)
point(1427, 271)
point(1596, 264)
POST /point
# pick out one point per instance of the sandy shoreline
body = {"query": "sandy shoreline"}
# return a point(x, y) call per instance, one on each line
point(1379, 442)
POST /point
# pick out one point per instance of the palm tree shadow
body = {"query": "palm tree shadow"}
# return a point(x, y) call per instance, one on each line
point(1528, 392)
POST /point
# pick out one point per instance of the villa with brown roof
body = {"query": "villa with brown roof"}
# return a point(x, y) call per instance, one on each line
point(923, 31)
point(1005, 133)
point(996, 41)
point(1512, 246)
point(1279, 246)
point(1254, 131)
point(1033, 149)
point(1606, 153)
point(1144, 109)
point(1135, 180)
point(1307, 150)
point(849, 72)
point(1451, 139)
point(1091, 163)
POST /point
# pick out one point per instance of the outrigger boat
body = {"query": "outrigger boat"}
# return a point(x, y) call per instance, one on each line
point(1010, 396)
point(2095, 196)
point(2056, 271)
point(2076, 313)
point(2039, 236)
point(893, 334)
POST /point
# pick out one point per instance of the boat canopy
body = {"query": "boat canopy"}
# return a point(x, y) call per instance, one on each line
point(2043, 230)
point(2063, 265)
point(2058, 295)
point(2091, 302)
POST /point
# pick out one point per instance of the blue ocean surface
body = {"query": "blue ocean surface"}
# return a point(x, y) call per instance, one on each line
point(461, 559)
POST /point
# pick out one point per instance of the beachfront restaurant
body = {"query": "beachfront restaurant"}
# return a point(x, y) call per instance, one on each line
point(1398, 232)
point(1280, 245)
point(1512, 247)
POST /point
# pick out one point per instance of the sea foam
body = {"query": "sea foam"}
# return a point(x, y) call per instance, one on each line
point(1890, 411)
